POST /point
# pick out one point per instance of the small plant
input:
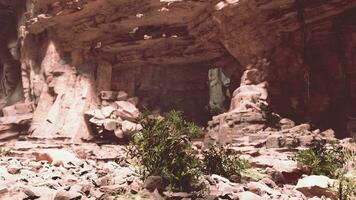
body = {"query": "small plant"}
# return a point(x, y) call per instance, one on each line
point(218, 160)
point(163, 149)
point(4, 152)
point(346, 188)
point(272, 119)
point(322, 159)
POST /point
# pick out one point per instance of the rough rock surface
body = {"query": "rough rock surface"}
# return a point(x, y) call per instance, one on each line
point(77, 71)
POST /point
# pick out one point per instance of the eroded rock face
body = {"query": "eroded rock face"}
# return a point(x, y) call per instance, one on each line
point(310, 75)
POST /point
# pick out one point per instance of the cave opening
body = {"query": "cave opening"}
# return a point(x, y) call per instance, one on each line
point(11, 90)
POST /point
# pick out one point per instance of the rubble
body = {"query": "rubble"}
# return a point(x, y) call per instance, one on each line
point(117, 115)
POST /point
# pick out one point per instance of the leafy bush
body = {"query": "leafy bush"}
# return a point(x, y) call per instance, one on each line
point(163, 149)
point(218, 160)
point(322, 159)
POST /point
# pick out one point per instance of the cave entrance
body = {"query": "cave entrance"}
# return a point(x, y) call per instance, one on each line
point(161, 88)
point(10, 67)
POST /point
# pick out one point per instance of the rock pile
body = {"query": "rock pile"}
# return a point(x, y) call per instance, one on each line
point(15, 120)
point(117, 115)
point(68, 178)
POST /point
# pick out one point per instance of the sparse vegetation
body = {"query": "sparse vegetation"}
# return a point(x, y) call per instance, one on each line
point(322, 158)
point(163, 149)
point(272, 119)
point(4, 152)
point(218, 160)
point(331, 160)
point(346, 188)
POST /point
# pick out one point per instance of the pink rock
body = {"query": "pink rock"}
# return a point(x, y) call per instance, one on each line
point(127, 110)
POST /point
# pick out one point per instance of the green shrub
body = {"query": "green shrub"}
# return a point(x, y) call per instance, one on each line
point(322, 158)
point(218, 160)
point(163, 149)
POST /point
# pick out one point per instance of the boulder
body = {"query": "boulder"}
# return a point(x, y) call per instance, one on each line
point(127, 110)
point(107, 111)
point(110, 124)
point(315, 185)
point(130, 128)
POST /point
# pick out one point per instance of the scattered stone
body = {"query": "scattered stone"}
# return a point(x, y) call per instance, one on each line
point(314, 185)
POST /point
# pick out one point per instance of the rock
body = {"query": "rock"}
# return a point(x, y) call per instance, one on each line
point(40, 192)
point(314, 185)
point(130, 128)
point(153, 182)
point(56, 157)
point(286, 123)
point(305, 140)
point(13, 169)
point(119, 133)
point(31, 193)
point(108, 95)
point(24, 145)
point(122, 96)
point(127, 110)
point(329, 134)
point(248, 196)
point(259, 188)
point(134, 100)
point(252, 76)
point(107, 111)
point(67, 195)
point(110, 124)
point(302, 128)
point(113, 189)
point(3, 189)
point(18, 109)
point(273, 141)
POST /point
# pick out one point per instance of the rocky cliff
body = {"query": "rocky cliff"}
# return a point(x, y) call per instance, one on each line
point(65, 52)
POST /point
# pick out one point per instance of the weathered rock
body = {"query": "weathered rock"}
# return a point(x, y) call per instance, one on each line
point(110, 124)
point(153, 182)
point(127, 110)
point(13, 168)
point(130, 128)
point(56, 157)
point(67, 195)
point(314, 185)
point(108, 95)
point(248, 196)
point(123, 96)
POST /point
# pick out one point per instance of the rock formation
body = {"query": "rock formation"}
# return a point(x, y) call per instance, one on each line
point(79, 71)
point(161, 51)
